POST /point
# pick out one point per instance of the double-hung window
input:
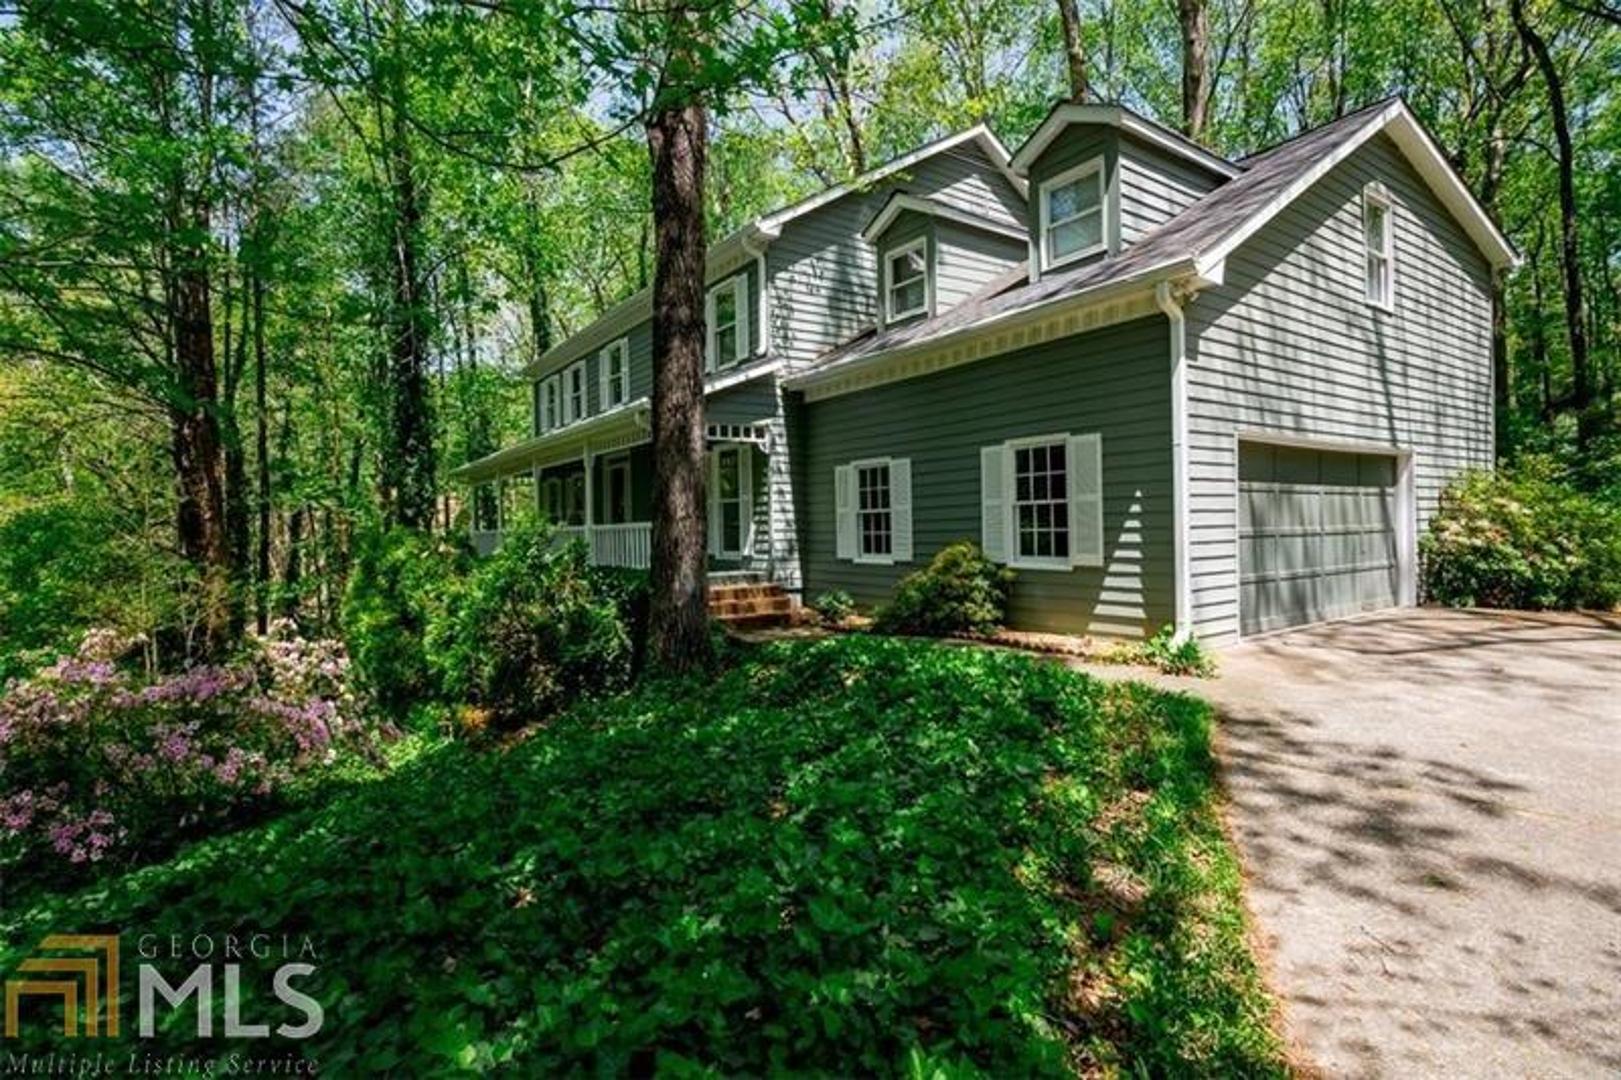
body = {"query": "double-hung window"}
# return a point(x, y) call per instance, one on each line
point(1043, 501)
point(613, 374)
point(1378, 241)
point(873, 510)
point(1072, 214)
point(906, 280)
point(551, 397)
point(574, 392)
point(727, 317)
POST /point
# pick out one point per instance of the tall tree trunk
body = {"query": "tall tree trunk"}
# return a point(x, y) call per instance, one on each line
point(199, 454)
point(678, 624)
point(1570, 256)
point(1194, 15)
point(1069, 16)
point(408, 453)
point(261, 404)
point(1491, 186)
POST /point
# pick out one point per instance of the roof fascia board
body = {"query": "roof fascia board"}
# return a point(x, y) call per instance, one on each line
point(1115, 116)
point(902, 201)
point(1099, 295)
point(1425, 157)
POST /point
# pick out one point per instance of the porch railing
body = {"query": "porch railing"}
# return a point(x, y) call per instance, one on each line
point(629, 544)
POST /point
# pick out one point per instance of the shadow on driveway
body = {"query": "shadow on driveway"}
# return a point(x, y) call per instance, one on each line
point(1428, 804)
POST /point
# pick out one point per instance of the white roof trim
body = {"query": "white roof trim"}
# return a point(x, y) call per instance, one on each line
point(1115, 116)
point(753, 238)
point(772, 223)
point(1426, 158)
point(902, 201)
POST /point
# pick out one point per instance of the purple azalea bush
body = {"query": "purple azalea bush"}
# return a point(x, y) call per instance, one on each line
point(99, 763)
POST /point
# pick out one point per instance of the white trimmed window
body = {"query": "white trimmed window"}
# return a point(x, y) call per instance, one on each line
point(726, 315)
point(906, 280)
point(617, 490)
point(1072, 214)
point(613, 374)
point(1042, 502)
point(873, 509)
point(551, 398)
point(1379, 246)
point(731, 500)
point(574, 392)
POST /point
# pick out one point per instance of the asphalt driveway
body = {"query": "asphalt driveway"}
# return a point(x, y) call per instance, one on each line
point(1428, 804)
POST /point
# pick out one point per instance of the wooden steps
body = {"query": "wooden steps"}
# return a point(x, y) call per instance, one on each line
point(751, 604)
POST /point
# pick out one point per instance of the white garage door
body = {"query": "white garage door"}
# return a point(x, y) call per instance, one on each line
point(1316, 535)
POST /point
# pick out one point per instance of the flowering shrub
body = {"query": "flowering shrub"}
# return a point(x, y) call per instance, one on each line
point(96, 762)
point(1523, 537)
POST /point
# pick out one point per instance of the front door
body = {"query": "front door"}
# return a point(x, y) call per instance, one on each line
point(730, 500)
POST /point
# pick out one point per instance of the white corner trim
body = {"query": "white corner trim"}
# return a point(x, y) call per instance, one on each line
point(1091, 166)
point(1126, 120)
point(902, 201)
point(1181, 514)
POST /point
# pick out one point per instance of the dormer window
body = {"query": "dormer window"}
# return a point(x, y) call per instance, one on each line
point(727, 316)
point(1378, 241)
point(906, 280)
point(1072, 207)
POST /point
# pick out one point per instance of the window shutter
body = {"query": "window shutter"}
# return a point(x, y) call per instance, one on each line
point(741, 288)
point(900, 508)
point(712, 502)
point(993, 504)
point(1086, 500)
point(844, 510)
point(604, 365)
point(745, 491)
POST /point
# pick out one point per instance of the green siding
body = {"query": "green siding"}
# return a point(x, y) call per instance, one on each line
point(1287, 345)
point(1078, 144)
point(1113, 381)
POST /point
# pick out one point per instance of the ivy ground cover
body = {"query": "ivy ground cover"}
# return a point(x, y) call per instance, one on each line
point(845, 856)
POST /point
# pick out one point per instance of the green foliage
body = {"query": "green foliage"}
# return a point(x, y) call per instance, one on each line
point(402, 583)
point(1523, 537)
point(959, 592)
point(858, 855)
point(534, 630)
point(1178, 657)
point(834, 606)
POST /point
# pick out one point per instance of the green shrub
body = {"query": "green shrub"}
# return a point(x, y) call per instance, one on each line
point(959, 592)
point(533, 630)
point(858, 856)
point(402, 582)
point(1184, 657)
point(834, 606)
point(1523, 537)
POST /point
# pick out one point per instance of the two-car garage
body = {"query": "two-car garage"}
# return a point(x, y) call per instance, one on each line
point(1320, 533)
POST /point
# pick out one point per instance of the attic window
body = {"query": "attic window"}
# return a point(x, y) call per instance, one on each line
point(906, 280)
point(1072, 214)
point(1378, 241)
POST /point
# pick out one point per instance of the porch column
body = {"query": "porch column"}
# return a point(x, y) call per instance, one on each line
point(590, 513)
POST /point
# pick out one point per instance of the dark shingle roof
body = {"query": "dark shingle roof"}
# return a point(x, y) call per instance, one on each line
point(1196, 230)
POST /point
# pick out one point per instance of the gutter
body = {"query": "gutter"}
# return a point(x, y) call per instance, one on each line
point(1182, 523)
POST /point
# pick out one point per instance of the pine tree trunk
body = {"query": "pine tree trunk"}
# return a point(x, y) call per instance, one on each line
point(1069, 16)
point(678, 625)
point(1194, 15)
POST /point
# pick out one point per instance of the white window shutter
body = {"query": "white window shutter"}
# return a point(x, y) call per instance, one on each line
point(709, 331)
point(1086, 500)
point(604, 364)
point(993, 504)
point(900, 509)
point(745, 491)
point(844, 510)
point(742, 294)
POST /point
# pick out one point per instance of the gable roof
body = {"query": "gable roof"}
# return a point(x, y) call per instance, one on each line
point(752, 239)
point(1196, 242)
point(1118, 116)
point(901, 201)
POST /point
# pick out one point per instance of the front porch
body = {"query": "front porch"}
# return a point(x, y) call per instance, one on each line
point(603, 498)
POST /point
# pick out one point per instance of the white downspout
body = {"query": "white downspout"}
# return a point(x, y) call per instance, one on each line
point(1182, 524)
